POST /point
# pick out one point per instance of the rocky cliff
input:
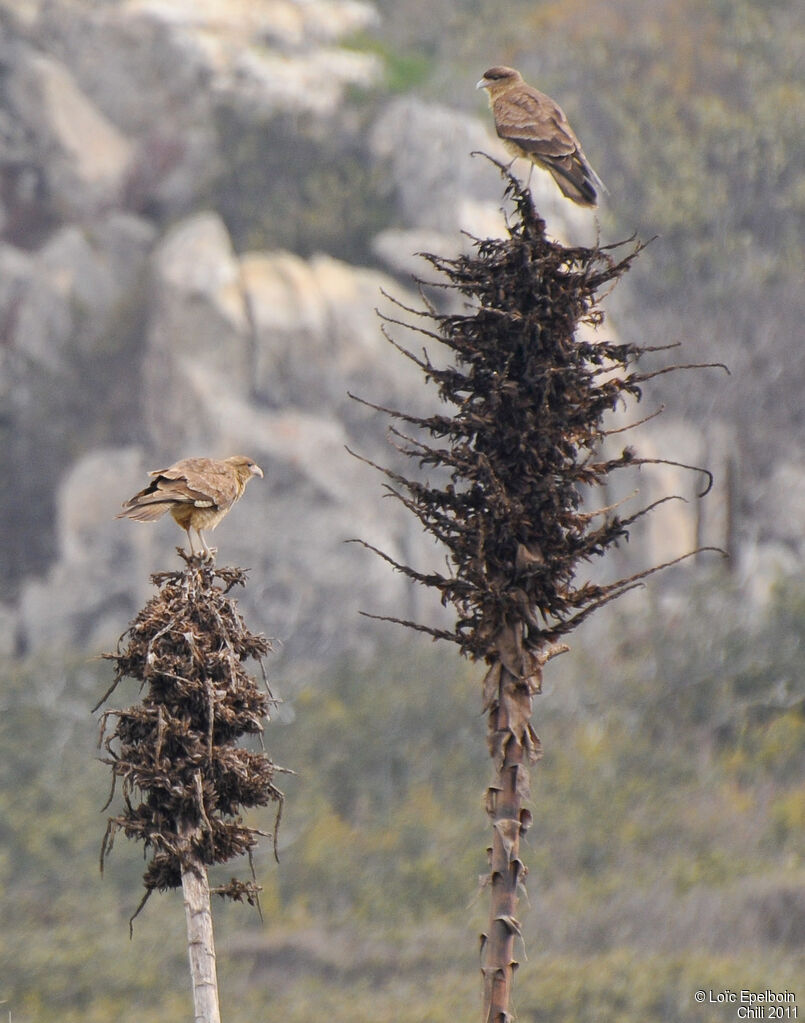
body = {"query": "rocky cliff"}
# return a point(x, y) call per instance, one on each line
point(186, 191)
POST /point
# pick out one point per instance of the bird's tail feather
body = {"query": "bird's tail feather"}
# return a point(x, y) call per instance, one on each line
point(576, 178)
point(599, 184)
point(144, 512)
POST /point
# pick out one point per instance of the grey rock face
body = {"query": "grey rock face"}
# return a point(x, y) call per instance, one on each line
point(84, 597)
point(68, 314)
point(133, 333)
point(85, 156)
point(198, 324)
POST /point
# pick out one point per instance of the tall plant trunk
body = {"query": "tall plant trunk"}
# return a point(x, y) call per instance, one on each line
point(511, 683)
point(200, 944)
point(504, 806)
point(529, 392)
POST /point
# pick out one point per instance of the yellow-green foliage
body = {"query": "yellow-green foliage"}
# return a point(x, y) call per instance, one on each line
point(403, 70)
point(666, 853)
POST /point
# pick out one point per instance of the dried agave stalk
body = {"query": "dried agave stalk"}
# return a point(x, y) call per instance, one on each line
point(528, 397)
point(184, 778)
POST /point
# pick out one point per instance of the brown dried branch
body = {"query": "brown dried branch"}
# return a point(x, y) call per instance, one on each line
point(638, 422)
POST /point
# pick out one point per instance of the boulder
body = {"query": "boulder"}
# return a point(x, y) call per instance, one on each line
point(425, 149)
point(199, 324)
point(95, 583)
point(16, 271)
point(400, 250)
point(322, 312)
point(122, 241)
point(184, 56)
point(136, 62)
point(784, 502)
point(161, 71)
point(69, 374)
point(290, 317)
point(60, 303)
point(261, 84)
point(9, 617)
point(85, 157)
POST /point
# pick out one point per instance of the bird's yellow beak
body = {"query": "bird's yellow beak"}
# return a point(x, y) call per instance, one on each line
point(257, 471)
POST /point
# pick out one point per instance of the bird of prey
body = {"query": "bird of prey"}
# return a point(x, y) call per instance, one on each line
point(534, 127)
point(198, 492)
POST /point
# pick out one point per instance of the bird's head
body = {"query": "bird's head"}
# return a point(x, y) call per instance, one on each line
point(245, 468)
point(498, 78)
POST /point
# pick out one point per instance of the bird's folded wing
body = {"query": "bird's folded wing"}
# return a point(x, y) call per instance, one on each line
point(535, 123)
point(168, 491)
point(199, 481)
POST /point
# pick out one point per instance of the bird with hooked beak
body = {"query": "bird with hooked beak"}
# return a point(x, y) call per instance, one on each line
point(198, 492)
point(535, 128)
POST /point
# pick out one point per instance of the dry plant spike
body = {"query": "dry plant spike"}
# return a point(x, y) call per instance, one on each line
point(185, 778)
point(508, 467)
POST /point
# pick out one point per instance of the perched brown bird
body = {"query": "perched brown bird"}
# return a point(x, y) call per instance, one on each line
point(198, 492)
point(534, 127)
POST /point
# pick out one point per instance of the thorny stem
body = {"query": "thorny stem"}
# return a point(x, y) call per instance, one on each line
point(507, 871)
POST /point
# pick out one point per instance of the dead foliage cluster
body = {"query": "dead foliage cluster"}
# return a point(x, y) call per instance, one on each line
point(521, 445)
point(184, 780)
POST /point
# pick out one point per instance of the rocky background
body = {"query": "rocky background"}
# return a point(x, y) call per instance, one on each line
point(202, 205)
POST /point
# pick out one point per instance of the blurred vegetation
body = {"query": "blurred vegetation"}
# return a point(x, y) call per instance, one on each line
point(289, 183)
point(666, 855)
